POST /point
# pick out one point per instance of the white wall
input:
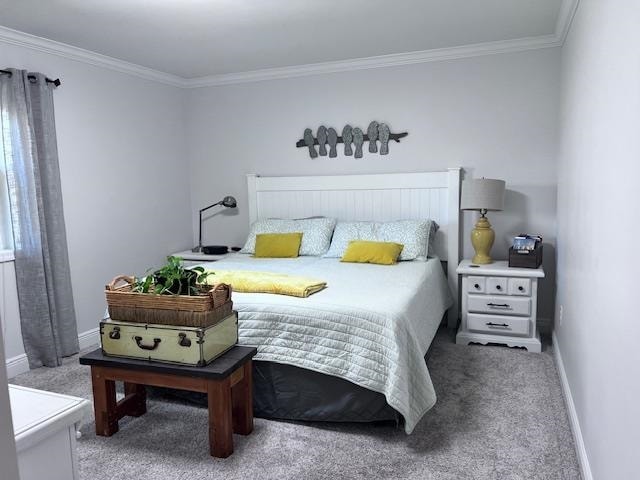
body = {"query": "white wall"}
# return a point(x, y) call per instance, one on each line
point(8, 459)
point(598, 200)
point(123, 168)
point(496, 116)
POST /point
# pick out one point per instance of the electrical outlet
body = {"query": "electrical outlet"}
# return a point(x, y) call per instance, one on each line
point(560, 315)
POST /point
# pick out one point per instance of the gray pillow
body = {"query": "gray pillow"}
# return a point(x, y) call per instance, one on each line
point(415, 235)
point(348, 231)
point(316, 233)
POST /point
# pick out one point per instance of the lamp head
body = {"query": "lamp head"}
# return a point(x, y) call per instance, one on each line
point(229, 202)
point(483, 194)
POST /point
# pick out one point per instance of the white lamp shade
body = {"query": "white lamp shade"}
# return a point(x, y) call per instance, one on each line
point(482, 194)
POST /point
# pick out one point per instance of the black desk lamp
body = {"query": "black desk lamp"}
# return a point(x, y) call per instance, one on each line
point(228, 202)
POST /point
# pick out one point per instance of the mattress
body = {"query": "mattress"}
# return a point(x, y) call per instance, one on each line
point(371, 326)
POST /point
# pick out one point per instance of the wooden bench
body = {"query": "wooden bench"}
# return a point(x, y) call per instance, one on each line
point(226, 381)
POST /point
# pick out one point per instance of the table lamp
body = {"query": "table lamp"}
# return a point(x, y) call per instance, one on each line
point(228, 202)
point(483, 195)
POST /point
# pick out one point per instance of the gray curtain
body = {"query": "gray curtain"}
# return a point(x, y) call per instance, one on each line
point(45, 297)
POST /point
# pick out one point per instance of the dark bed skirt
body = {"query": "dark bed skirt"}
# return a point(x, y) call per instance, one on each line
point(293, 393)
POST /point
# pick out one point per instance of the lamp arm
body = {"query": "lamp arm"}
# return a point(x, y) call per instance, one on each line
point(199, 247)
point(231, 203)
point(210, 206)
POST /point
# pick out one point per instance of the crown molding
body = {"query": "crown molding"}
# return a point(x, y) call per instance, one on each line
point(563, 24)
point(565, 18)
point(15, 37)
point(381, 61)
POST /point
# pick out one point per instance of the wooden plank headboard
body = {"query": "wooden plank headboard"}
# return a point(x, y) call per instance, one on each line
point(370, 197)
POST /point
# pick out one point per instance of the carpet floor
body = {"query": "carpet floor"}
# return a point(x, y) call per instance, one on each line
point(500, 415)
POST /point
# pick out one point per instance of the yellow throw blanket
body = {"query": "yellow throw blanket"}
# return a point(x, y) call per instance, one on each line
point(266, 282)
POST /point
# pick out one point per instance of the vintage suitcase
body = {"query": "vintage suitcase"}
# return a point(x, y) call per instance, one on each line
point(169, 344)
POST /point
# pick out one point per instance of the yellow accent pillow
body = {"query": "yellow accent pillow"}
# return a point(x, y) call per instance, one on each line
point(382, 253)
point(278, 245)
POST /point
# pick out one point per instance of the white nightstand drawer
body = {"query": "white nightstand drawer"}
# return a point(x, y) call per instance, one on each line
point(519, 286)
point(476, 284)
point(499, 305)
point(497, 285)
point(498, 324)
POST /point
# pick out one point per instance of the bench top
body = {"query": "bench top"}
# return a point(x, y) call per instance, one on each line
point(221, 367)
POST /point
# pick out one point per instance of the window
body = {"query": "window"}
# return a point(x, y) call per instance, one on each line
point(6, 237)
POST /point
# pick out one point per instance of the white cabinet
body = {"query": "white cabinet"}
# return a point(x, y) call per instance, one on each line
point(499, 305)
point(45, 426)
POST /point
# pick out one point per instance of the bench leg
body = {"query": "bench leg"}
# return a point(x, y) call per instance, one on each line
point(242, 399)
point(104, 403)
point(220, 418)
point(137, 405)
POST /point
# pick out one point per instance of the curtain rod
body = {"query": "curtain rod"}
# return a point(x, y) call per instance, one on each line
point(56, 82)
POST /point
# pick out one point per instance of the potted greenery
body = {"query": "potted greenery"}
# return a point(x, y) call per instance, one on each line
point(172, 279)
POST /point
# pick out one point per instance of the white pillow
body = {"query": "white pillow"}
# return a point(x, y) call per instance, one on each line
point(413, 234)
point(316, 233)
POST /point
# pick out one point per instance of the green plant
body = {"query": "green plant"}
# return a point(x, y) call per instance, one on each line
point(172, 279)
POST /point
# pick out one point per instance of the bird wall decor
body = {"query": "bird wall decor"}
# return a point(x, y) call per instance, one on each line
point(350, 137)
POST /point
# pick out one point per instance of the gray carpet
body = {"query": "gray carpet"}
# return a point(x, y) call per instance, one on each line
point(499, 415)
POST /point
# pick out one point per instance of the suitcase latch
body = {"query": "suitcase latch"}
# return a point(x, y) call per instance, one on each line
point(184, 341)
point(114, 334)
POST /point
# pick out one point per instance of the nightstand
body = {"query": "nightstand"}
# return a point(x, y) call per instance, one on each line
point(194, 258)
point(499, 305)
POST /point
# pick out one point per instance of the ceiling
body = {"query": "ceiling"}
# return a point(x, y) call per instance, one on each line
point(199, 38)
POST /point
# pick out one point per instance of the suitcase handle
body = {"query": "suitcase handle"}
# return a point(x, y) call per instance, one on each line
point(156, 342)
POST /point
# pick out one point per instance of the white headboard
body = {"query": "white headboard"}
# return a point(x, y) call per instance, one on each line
point(374, 197)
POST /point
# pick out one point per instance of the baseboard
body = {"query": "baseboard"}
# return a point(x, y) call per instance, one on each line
point(581, 451)
point(17, 365)
point(89, 339)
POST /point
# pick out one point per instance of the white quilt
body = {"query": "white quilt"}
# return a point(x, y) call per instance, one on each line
point(372, 325)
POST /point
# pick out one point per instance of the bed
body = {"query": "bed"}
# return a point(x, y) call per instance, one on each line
point(354, 351)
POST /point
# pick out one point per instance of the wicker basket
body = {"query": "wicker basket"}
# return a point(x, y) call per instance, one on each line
point(203, 310)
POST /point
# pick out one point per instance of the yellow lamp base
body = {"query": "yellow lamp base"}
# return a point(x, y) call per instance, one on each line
point(482, 237)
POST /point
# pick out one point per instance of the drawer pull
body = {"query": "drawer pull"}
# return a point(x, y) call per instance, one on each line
point(502, 325)
point(156, 342)
point(521, 288)
point(498, 287)
point(499, 305)
point(477, 287)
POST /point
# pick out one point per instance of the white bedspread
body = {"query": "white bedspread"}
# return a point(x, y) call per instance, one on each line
point(371, 326)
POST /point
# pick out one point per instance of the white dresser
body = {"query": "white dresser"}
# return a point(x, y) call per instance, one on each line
point(45, 426)
point(499, 305)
